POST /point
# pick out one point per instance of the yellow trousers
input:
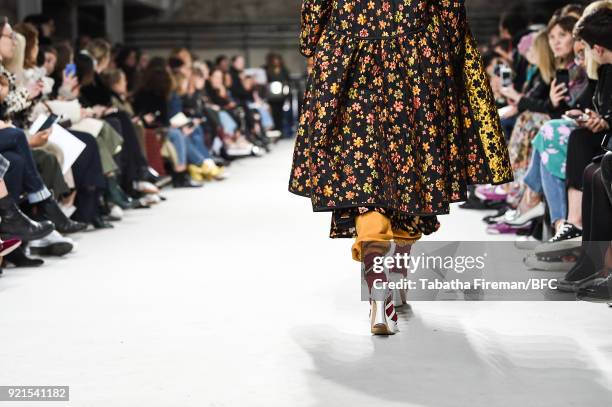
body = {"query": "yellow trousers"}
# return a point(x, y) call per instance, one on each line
point(375, 227)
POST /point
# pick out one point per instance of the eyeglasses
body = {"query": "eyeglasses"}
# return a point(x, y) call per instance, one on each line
point(12, 35)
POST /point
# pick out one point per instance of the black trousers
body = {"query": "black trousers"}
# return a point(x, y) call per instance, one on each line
point(596, 207)
point(89, 179)
point(582, 146)
point(596, 222)
point(131, 160)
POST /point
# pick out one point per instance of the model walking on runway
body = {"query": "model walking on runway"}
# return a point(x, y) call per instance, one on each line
point(398, 118)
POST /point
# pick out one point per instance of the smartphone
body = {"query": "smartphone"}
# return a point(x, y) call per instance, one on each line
point(583, 117)
point(51, 120)
point(562, 76)
point(505, 72)
point(70, 69)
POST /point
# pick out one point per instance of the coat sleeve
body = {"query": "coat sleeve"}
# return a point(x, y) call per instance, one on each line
point(314, 17)
point(479, 112)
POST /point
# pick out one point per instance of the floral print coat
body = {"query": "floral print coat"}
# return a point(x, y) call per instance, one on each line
point(398, 115)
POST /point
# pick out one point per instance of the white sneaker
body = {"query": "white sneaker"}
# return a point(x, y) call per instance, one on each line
point(273, 134)
point(53, 244)
point(150, 199)
point(116, 212)
point(145, 187)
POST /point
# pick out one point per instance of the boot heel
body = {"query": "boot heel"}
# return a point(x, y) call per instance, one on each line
point(381, 323)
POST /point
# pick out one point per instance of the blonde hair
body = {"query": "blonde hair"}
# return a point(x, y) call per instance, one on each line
point(591, 65)
point(99, 49)
point(545, 59)
point(15, 64)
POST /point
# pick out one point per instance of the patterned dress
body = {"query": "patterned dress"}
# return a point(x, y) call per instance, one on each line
point(398, 115)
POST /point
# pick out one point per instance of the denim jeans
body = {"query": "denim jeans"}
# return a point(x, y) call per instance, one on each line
point(227, 122)
point(189, 149)
point(177, 139)
point(22, 175)
point(539, 179)
point(195, 141)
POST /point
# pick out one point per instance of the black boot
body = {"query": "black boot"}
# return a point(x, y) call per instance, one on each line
point(19, 259)
point(183, 180)
point(49, 209)
point(16, 224)
point(115, 194)
point(99, 223)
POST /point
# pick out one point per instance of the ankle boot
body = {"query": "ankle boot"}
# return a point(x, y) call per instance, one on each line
point(16, 224)
point(19, 259)
point(49, 209)
point(383, 318)
point(399, 274)
point(115, 195)
point(183, 180)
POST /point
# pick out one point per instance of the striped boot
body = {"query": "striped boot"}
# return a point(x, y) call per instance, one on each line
point(400, 273)
point(383, 318)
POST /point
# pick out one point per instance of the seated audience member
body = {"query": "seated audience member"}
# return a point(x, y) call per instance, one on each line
point(595, 29)
point(133, 166)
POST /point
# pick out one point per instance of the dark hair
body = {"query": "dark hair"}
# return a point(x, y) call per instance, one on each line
point(567, 23)
point(514, 20)
point(84, 68)
point(157, 78)
point(37, 19)
point(220, 58)
point(3, 21)
point(175, 63)
point(505, 44)
point(123, 53)
point(596, 28)
point(45, 49)
point(488, 57)
point(64, 56)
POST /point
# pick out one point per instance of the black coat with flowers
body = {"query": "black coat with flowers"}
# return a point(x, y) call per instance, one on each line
point(398, 114)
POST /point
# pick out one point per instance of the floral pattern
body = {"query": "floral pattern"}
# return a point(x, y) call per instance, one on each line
point(398, 115)
point(520, 145)
point(551, 141)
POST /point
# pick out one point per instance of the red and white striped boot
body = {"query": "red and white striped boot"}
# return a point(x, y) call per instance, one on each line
point(399, 274)
point(383, 318)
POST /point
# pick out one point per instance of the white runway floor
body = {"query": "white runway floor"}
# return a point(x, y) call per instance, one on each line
point(233, 295)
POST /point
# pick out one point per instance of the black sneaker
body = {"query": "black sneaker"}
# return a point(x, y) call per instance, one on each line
point(568, 237)
point(600, 291)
